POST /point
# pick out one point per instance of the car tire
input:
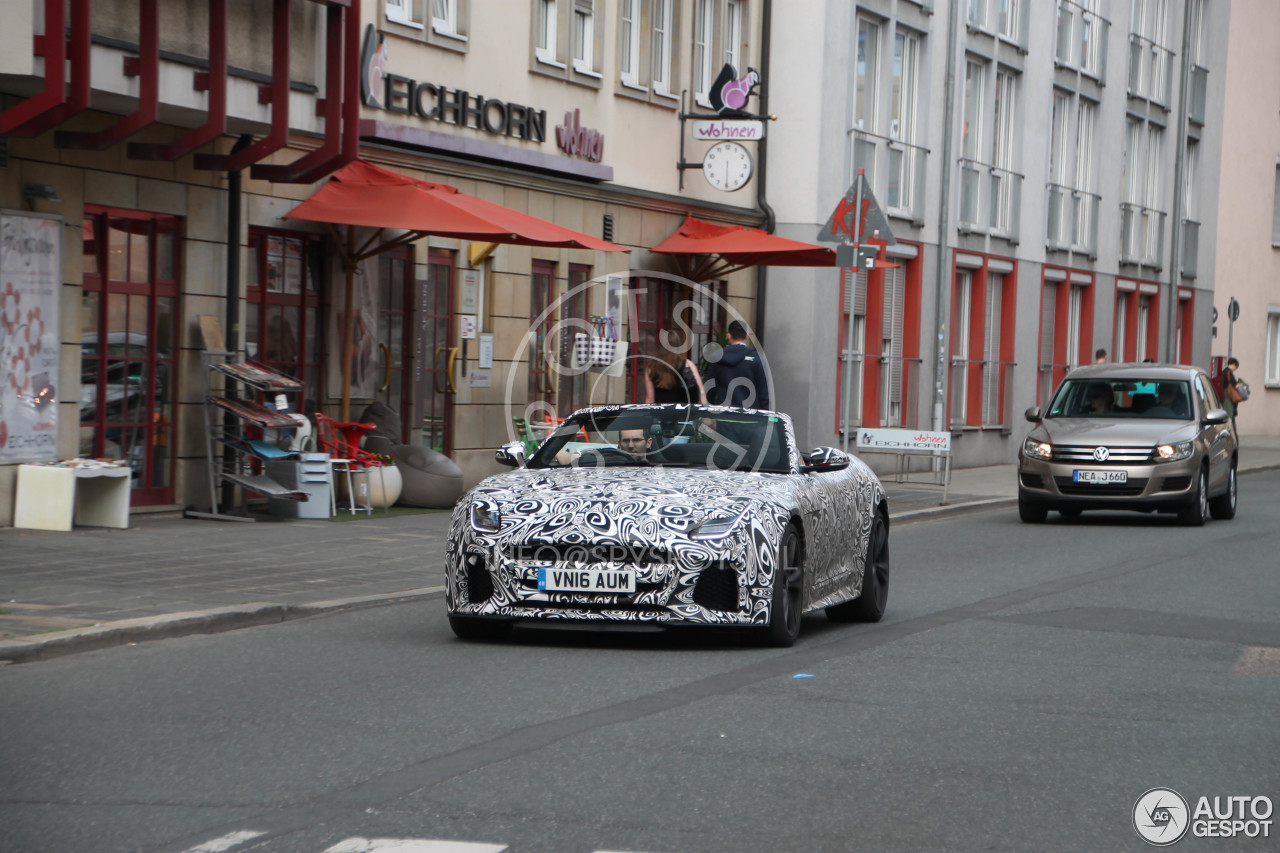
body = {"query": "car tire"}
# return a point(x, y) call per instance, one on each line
point(870, 605)
point(1224, 505)
point(467, 628)
point(1194, 514)
point(788, 591)
point(1031, 512)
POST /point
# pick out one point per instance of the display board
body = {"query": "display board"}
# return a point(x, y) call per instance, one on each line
point(30, 297)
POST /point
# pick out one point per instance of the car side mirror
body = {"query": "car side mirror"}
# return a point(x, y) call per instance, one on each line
point(510, 454)
point(1213, 417)
point(1033, 414)
point(823, 460)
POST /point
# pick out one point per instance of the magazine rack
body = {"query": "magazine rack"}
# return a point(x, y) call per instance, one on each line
point(242, 383)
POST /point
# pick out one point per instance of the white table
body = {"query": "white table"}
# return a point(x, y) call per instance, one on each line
point(53, 497)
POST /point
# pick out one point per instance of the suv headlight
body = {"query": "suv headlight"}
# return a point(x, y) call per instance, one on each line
point(1037, 449)
point(718, 524)
point(485, 518)
point(1174, 452)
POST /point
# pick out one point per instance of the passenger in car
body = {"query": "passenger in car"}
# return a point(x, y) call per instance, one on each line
point(1169, 402)
point(1100, 400)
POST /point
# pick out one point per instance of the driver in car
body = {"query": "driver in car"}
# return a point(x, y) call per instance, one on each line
point(634, 442)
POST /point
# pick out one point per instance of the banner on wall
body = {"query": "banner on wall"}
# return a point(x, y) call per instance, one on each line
point(30, 285)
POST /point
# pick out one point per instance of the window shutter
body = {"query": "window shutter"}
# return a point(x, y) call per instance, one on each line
point(855, 290)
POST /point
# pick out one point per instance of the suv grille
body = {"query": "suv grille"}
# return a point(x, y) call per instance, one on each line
point(1083, 453)
point(1134, 487)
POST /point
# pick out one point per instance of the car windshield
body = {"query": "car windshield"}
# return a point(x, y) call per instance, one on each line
point(674, 436)
point(1123, 398)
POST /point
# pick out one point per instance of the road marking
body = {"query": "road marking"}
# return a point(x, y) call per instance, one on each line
point(225, 843)
point(411, 845)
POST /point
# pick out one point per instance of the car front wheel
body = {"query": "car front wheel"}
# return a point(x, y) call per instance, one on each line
point(1194, 514)
point(479, 629)
point(785, 609)
point(1030, 511)
point(1224, 505)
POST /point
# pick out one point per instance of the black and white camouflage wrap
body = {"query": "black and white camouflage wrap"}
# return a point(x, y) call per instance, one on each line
point(642, 517)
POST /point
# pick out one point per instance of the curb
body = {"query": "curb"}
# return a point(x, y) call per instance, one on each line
point(213, 621)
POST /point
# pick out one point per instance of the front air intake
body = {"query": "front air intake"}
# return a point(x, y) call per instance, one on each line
point(479, 581)
point(717, 588)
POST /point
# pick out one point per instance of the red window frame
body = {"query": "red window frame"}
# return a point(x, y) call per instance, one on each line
point(154, 279)
point(267, 305)
point(1061, 317)
point(1133, 299)
point(977, 334)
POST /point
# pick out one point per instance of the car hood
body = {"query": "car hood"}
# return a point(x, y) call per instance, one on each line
point(1114, 432)
point(584, 503)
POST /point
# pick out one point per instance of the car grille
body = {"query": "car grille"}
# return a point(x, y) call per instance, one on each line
point(1083, 453)
point(1067, 486)
point(717, 588)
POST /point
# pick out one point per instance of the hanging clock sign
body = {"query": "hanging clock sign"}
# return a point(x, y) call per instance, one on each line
point(727, 166)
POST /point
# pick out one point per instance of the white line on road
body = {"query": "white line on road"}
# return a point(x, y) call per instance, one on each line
point(411, 845)
point(225, 843)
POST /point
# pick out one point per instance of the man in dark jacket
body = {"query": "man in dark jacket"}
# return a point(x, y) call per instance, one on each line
point(738, 377)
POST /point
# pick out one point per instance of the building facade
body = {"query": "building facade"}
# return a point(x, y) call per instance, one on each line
point(155, 174)
point(1049, 173)
point(1248, 257)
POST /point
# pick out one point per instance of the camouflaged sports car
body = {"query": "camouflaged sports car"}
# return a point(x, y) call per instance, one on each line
point(669, 515)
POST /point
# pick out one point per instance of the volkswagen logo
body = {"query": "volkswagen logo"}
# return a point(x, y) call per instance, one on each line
point(1101, 454)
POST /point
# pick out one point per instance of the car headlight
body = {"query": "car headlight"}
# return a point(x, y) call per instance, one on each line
point(1174, 452)
point(718, 524)
point(485, 518)
point(1037, 449)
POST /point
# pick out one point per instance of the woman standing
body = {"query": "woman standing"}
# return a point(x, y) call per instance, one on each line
point(670, 377)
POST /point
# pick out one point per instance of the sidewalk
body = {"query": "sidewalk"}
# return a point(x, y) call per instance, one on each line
point(167, 575)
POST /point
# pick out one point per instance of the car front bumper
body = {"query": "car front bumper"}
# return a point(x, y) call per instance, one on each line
point(1162, 487)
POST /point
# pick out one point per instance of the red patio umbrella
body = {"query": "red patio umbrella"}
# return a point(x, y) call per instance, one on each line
point(362, 194)
point(707, 251)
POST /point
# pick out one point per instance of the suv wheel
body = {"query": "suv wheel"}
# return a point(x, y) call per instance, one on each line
point(1030, 511)
point(1195, 513)
point(1224, 505)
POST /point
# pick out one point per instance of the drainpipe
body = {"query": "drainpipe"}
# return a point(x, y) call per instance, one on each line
point(941, 291)
point(1179, 168)
point(770, 219)
point(233, 307)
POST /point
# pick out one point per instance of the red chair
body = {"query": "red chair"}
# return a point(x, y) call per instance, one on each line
point(342, 442)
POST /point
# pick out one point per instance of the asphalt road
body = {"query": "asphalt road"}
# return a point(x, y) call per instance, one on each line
point(1027, 686)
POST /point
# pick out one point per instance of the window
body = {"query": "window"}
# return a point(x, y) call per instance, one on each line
point(1073, 206)
point(444, 17)
point(629, 41)
point(546, 22)
point(905, 163)
point(1142, 221)
point(584, 36)
point(866, 75)
point(1004, 189)
point(1066, 326)
point(542, 390)
point(574, 388)
point(662, 34)
point(978, 14)
point(852, 347)
point(1275, 210)
point(1272, 371)
point(703, 33)
point(1010, 24)
point(982, 314)
point(733, 35)
point(1150, 59)
point(282, 311)
point(1118, 350)
point(404, 11)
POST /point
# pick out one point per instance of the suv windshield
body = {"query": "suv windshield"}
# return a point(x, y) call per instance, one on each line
point(675, 436)
point(1128, 398)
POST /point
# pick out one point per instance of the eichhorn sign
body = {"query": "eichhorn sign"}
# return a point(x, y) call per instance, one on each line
point(903, 440)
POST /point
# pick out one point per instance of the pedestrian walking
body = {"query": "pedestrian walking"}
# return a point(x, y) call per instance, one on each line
point(738, 377)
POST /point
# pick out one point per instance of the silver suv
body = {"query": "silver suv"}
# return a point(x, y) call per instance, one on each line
point(1146, 437)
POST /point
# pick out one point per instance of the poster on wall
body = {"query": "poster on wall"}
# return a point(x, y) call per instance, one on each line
point(30, 288)
point(364, 331)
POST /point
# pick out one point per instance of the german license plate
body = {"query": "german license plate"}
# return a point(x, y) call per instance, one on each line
point(587, 580)
point(1087, 475)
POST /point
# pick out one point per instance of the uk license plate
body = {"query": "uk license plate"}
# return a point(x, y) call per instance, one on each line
point(1090, 475)
point(587, 580)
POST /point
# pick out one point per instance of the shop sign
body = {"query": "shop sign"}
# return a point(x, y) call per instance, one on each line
point(579, 141)
point(718, 130)
point(404, 95)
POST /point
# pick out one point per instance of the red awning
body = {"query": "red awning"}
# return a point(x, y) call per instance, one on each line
point(728, 248)
point(363, 194)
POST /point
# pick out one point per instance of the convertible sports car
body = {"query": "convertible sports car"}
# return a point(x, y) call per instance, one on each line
point(670, 515)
